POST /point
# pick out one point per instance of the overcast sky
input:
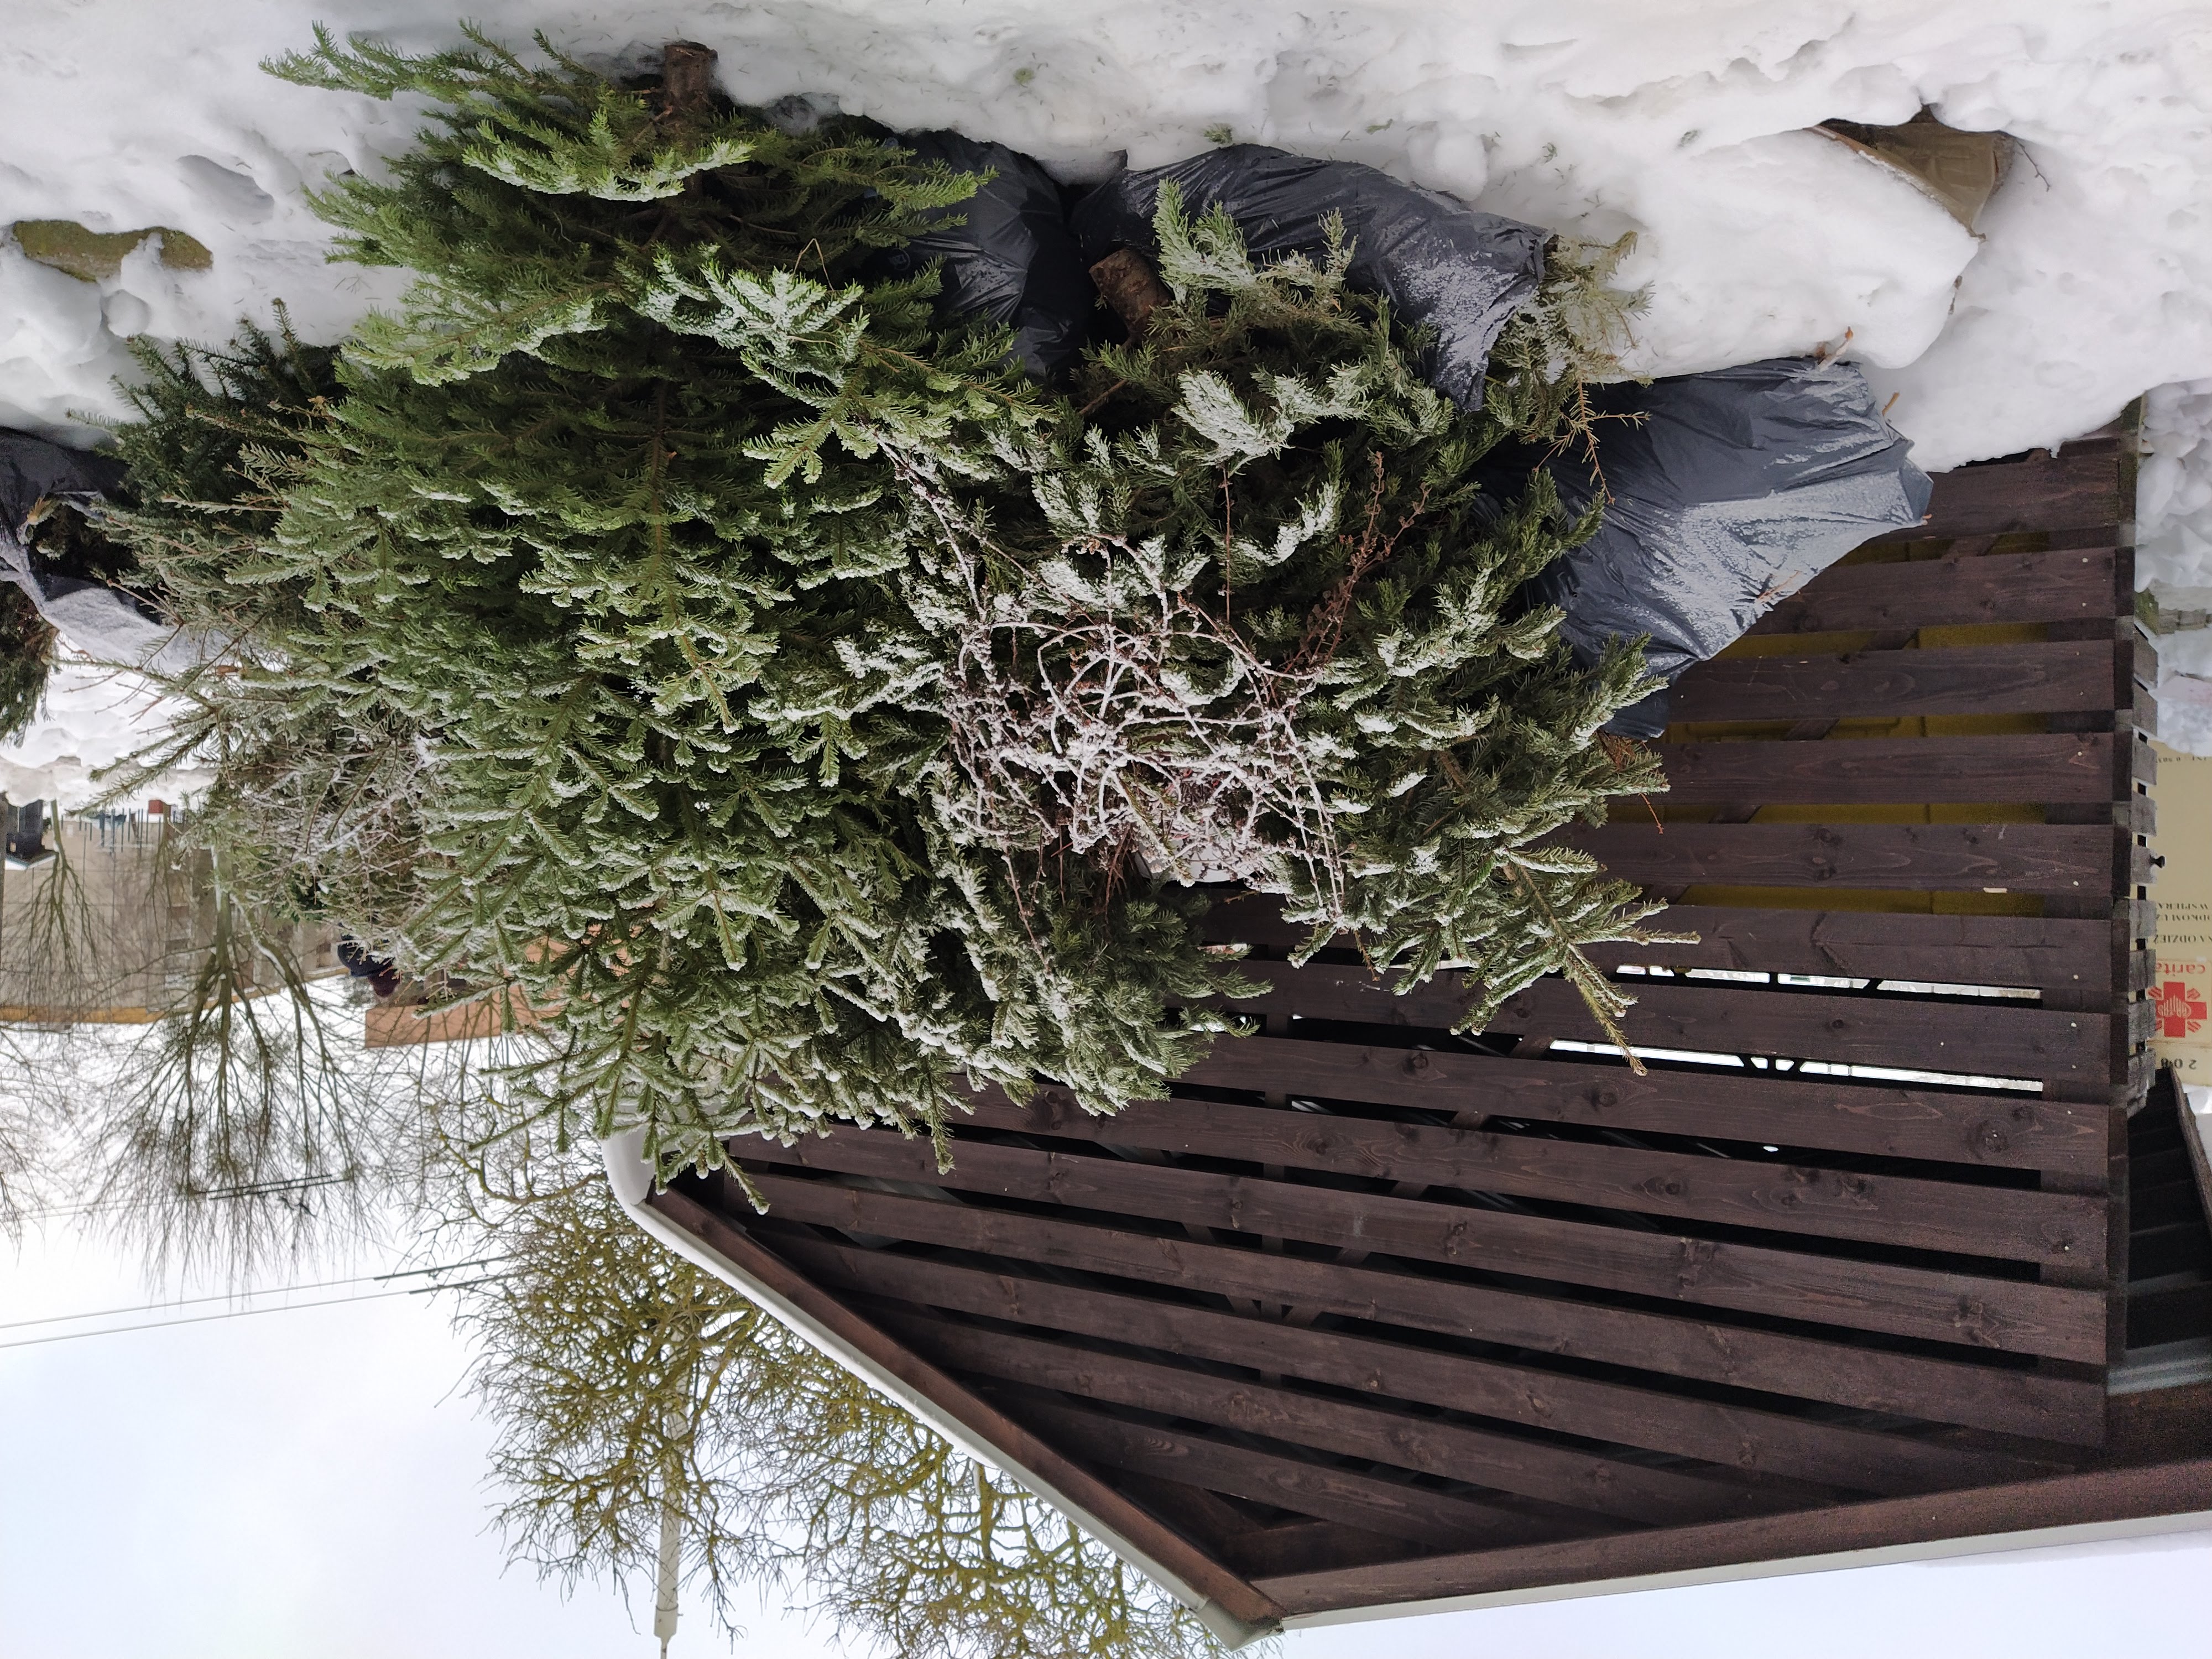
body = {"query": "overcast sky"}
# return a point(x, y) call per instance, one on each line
point(309, 1482)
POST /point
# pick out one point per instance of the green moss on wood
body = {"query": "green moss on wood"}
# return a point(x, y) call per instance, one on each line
point(91, 255)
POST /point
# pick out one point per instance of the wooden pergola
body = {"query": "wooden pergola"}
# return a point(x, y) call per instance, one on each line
point(1370, 1316)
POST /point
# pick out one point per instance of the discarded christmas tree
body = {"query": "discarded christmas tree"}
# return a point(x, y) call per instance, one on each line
point(1260, 627)
point(811, 716)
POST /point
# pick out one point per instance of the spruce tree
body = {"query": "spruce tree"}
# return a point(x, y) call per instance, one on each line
point(1255, 622)
point(583, 550)
point(687, 613)
point(26, 651)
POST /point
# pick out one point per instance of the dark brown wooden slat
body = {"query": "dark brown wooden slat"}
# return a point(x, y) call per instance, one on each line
point(1913, 1033)
point(2017, 1132)
point(1738, 1441)
point(2006, 1400)
point(2143, 758)
point(2046, 953)
point(2053, 1320)
point(2180, 1486)
point(2013, 858)
point(980, 1417)
point(2053, 953)
point(2037, 768)
point(1217, 1526)
point(1300, 1544)
point(1982, 1040)
point(2063, 677)
point(1389, 1507)
point(2027, 1226)
point(1396, 1440)
point(2142, 662)
point(2078, 487)
point(2069, 585)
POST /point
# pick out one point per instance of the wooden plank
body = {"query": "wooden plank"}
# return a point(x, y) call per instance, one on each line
point(2078, 487)
point(1914, 1032)
point(2072, 859)
point(2182, 1486)
point(2015, 1132)
point(2006, 1400)
point(1973, 1220)
point(1393, 1508)
point(2038, 768)
point(2061, 676)
point(2044, 952)
point(2014, 1315)
point(1040, 1460)
point(1396, 1439)
point(1738, 1441)
point(2052, 953)
point(1217, 1526)
point(2072, 584)
point(1911, 1032)
point(1299, 1545)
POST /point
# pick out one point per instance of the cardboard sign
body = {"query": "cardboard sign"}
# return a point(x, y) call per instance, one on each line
point(2181, 993)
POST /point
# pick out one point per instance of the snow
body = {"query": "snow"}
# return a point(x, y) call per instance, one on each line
point(1682, 120)
point(2173, 551)
point(93, 716)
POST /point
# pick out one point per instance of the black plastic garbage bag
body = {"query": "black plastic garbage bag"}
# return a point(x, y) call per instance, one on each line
point(1441, 264)
point(96, 619)
point(32, 470)
point(1014, 261)
point(1732, 490)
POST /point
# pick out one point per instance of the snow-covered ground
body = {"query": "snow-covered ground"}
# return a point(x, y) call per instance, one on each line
point(1684, 120)
point(93, 718)
point(1680, 119)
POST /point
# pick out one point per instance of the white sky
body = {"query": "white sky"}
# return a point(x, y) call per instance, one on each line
point(310, 1482)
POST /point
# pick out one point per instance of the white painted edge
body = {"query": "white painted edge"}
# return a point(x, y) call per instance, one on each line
point(632, 1179)
point(1933, 1550)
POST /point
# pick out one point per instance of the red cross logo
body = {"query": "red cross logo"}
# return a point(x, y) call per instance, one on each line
point(2181, 1011)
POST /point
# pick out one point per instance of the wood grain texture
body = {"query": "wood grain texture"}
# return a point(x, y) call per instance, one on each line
point(2048, 952)
point(2066, 586)
point(2008, 1314)
point(2015, 1132)
point(2063, 677)
point(1737, 1440)
point(2005, 1399)
point(2036, 768)
point(1914, 1032)
point(1906, 1032)
point(1394, 1439)
point(2079, 488)
point(1396, 1509)
point(2029, 1226)
point(2179, 1487)
point(2068, 858)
